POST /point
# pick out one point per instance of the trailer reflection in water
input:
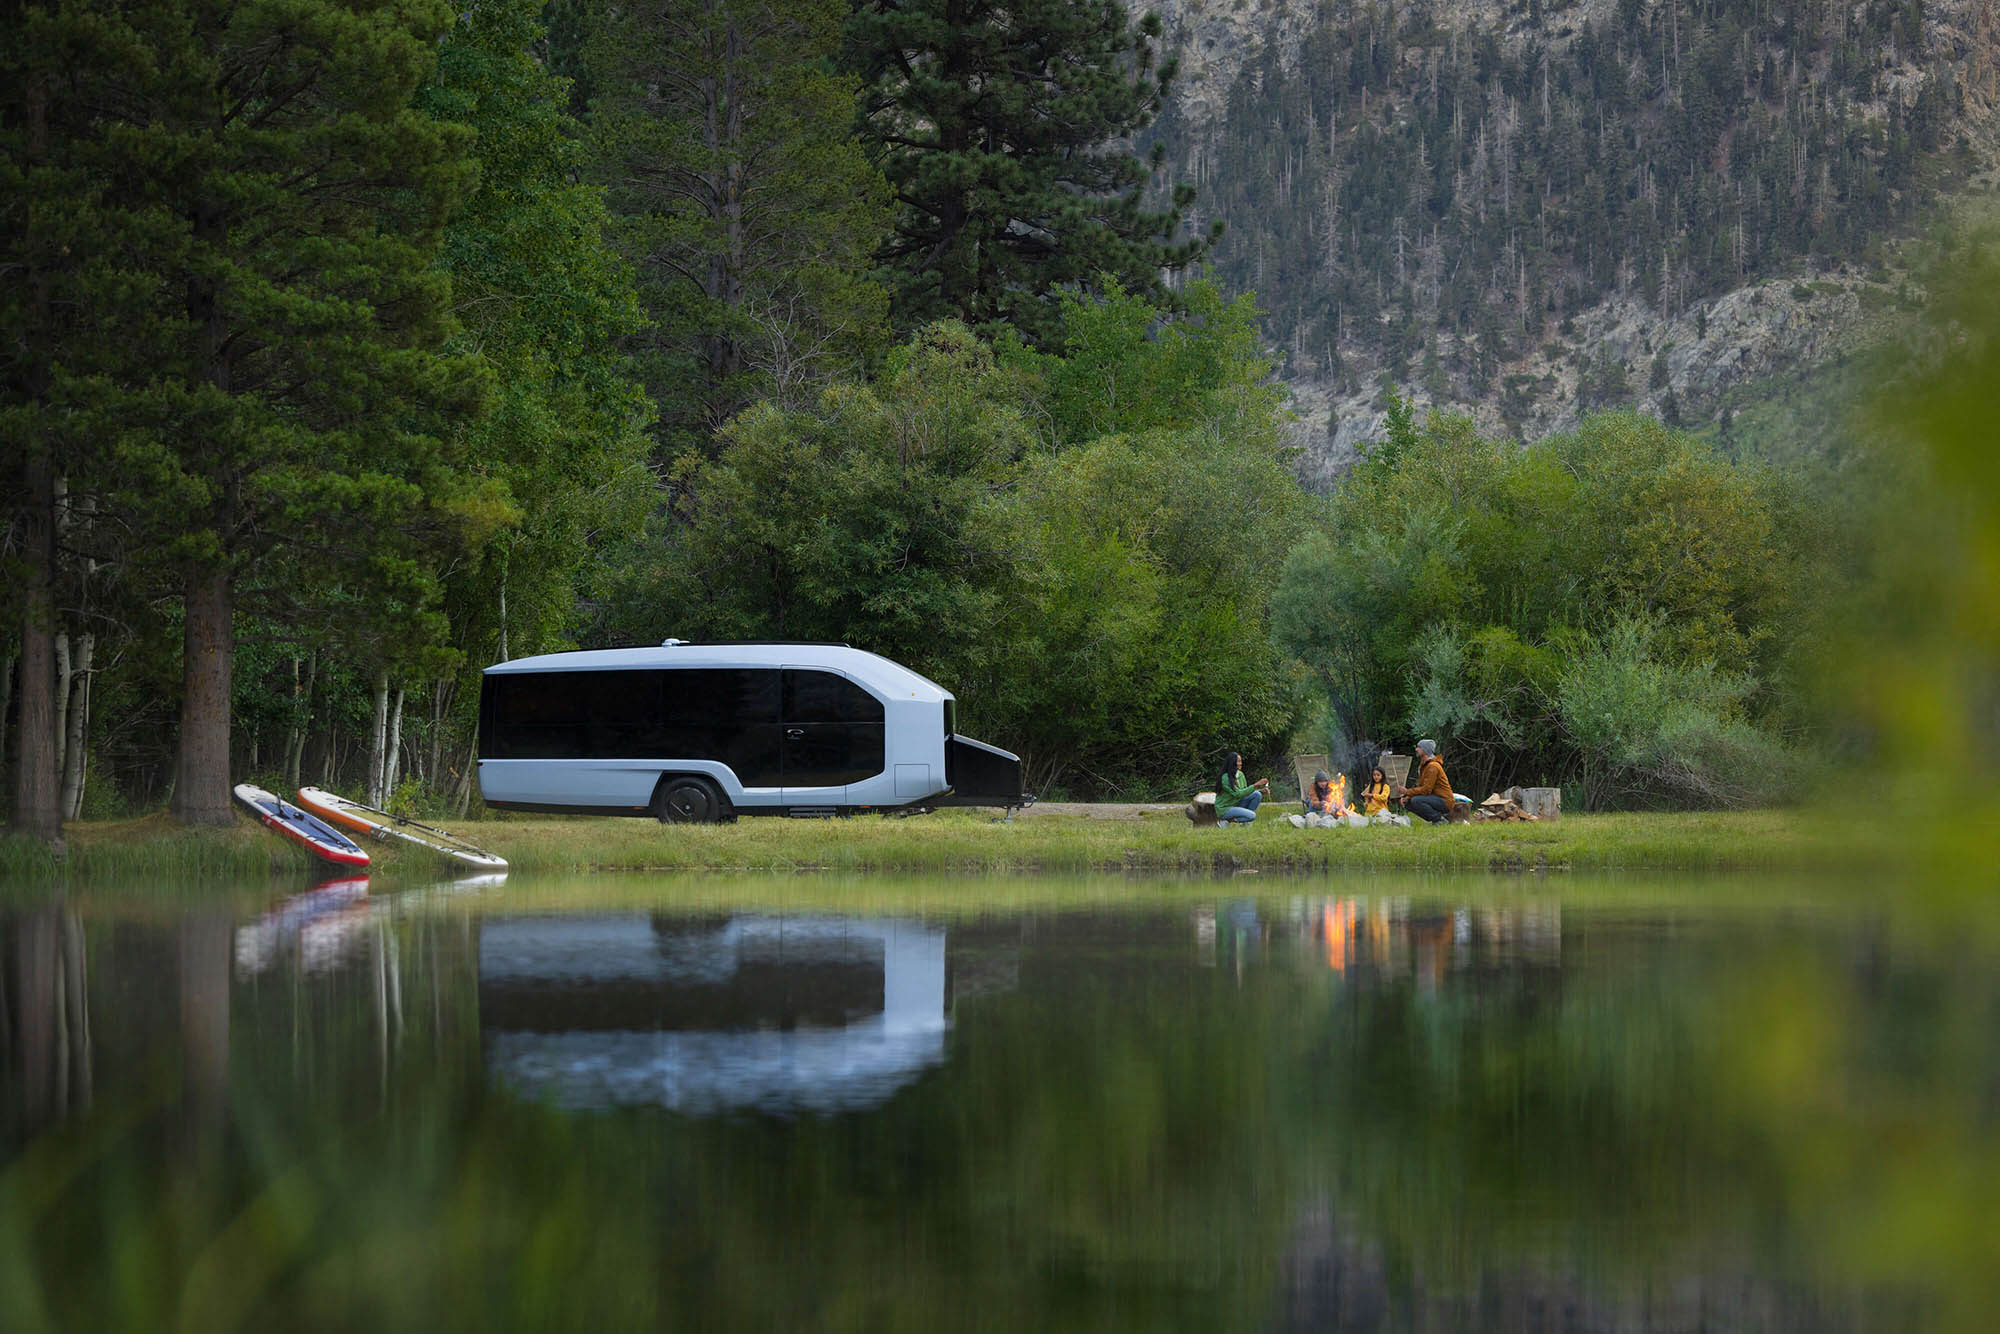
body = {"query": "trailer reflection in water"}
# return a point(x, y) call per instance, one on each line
point(783, 1015)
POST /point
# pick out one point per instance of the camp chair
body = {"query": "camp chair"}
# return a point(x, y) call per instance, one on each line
point(1394, 767)
point(1304, 766)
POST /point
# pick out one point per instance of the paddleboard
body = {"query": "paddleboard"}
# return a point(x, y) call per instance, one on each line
point(353, 815)
point(316, 836)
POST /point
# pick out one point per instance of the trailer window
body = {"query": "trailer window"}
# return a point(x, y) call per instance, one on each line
point(700, 697)
point(822, 697)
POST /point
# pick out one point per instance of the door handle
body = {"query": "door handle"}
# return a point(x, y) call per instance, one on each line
point(794, 733)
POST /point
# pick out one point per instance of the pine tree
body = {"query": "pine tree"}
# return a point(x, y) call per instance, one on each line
point(726, 146)
point(255, 180)
point(1004, 130)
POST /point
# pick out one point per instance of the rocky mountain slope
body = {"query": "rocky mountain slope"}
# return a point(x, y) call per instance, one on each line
point(1530, 210)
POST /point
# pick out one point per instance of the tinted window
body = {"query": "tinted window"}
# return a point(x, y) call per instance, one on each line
point(535, 700)
point(830, 754)
point(620, 704)
point(704, 698)
point(729, 716)
point(822, 697)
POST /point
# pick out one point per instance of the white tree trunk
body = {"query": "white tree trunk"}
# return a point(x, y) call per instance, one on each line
point(378, 738)
point(293, 730)
point(392, 758)
point(441, 694)
point(78, 723)
point(464, 802)
point(295, 762)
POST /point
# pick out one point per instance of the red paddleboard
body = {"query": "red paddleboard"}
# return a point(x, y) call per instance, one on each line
point(313, 834)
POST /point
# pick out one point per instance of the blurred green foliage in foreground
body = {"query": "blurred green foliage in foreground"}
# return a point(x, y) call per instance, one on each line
point(1920, 655)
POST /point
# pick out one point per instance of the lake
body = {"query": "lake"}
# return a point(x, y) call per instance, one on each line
point(1255, 1103)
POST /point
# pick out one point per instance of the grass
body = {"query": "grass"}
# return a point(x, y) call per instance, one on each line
point(150, 845)
point(966, 841)
point(1165, 842)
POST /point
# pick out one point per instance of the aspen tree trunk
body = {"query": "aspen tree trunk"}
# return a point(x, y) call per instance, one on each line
point(295, 760)
point(503, 613)
point(392, 755)
point(378, 737)
point(441, 695)
point(79, 726)
point(292, 730)
point(464, 802)
point(201, 783)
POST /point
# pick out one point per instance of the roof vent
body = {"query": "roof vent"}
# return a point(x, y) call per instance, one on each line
point(672, 643)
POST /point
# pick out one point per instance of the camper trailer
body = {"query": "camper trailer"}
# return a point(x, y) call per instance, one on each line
point(692, 733)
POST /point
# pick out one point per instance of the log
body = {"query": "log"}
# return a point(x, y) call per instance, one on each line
point(1202, 809)
point(1544, 803)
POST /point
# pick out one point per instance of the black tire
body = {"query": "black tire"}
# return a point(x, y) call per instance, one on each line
point(688, 799)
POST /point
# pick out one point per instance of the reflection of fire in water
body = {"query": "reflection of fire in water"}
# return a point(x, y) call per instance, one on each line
point(1390, 938)
point(1337, 923)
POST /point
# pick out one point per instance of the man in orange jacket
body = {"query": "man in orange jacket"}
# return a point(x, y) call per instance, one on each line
point(1431, 798)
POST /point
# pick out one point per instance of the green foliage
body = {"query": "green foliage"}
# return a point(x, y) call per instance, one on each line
point(1095, 592)
point(543, 303)
point(1459, 588)
point(1127, 367)
point(1643, 727)
point(1137, 646)
point(1910, 660)
point(725, 144)
point(866, 517)
point(1004, 130)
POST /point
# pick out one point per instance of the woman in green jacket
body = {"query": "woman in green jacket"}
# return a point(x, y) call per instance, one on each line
point(1236, 797)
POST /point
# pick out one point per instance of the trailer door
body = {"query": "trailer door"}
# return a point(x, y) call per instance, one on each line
point(833, 736)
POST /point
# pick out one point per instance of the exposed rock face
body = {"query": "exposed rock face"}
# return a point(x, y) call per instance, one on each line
point(1703, 359)
point(1213, 38)
point(1689, 364)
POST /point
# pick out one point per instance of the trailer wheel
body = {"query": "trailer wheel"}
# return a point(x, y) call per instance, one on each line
point(685, 799)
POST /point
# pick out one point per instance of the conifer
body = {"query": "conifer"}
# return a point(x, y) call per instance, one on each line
point(1005, 131)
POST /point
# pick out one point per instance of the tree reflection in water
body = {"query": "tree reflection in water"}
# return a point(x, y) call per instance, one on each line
point(1311, 1111)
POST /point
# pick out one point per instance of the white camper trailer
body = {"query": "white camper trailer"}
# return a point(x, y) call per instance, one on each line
point(701, 732)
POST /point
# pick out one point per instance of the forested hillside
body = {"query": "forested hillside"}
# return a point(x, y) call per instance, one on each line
point(346, 350)
point(1437, 192)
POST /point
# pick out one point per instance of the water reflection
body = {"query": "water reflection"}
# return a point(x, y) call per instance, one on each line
point(316, 930)
point(795, 1014)
point(359, 1109)
point(45, 1045)
point(1380, 939)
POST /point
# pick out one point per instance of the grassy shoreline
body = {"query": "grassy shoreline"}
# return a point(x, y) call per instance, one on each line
point(968, 842)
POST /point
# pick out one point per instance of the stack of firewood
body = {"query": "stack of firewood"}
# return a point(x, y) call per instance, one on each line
point(1527, 804)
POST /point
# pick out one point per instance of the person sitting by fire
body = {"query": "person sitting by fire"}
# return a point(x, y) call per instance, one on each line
point(1326, 802)
point(1236, 797)
point(1375, 797)
point(1431, 798)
